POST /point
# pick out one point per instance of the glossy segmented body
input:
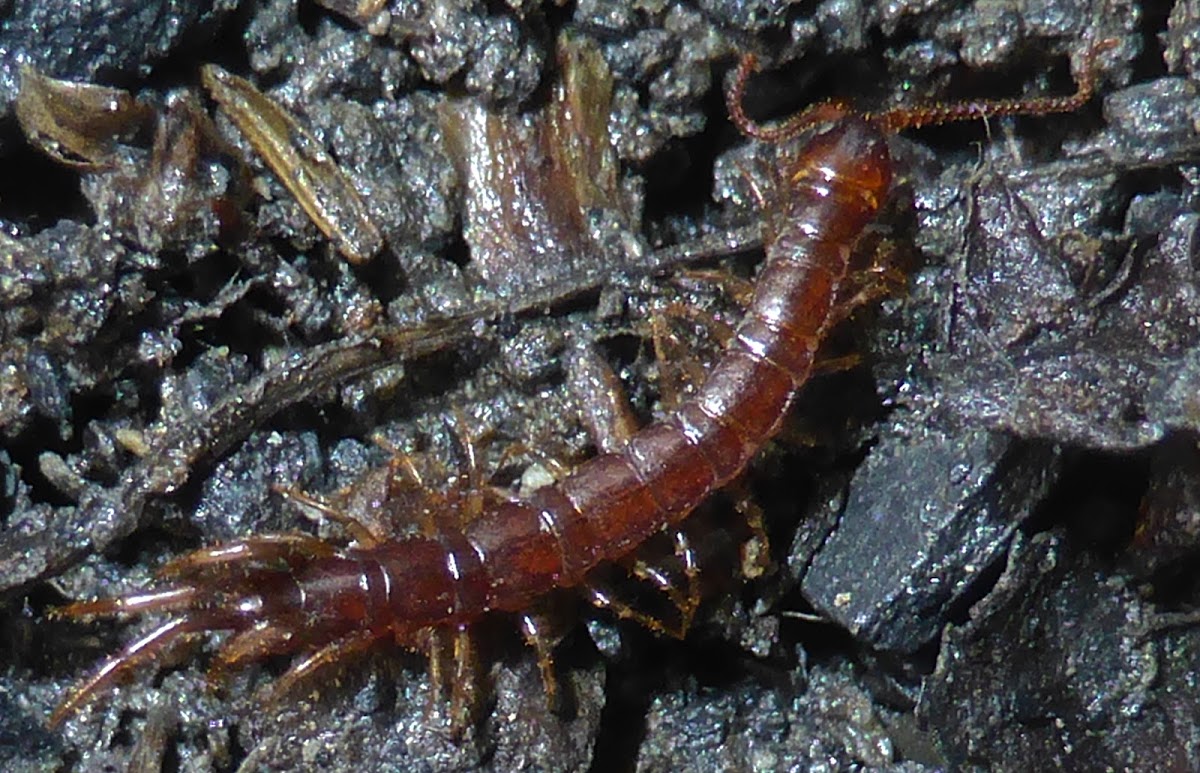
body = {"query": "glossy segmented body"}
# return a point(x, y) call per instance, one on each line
point(290, 594)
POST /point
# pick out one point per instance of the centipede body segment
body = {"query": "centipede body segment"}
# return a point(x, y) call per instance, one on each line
point(300, 595)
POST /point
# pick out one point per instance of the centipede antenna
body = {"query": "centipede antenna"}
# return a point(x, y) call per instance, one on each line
point(898, 119)
point(822, 112)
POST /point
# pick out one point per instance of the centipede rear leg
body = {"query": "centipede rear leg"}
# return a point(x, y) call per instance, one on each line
point(249, 646)
point(400, 500)
point(289, 549)
point(123, 663)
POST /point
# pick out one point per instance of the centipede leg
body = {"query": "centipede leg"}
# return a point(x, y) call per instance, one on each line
point(604, 407)
point(400, 463)
point(513, 451)
point(680, 372)
point(437, 652)
point(536, 629)
point(172, 599)
point(400, 481)
point(756, 550)
point(265, 549)
point(604, 598)
point(458, 646)
point(736, 288)
point(685, 601)
point(138, 652)
point(348, 646)
point(464, 697)
point(246, 647)
point(473, 489)
point(359, 531)
point(866, 287)
point(860, 288)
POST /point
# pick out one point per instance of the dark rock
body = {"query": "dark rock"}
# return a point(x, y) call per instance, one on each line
point(929, 514)
point(1061, 662)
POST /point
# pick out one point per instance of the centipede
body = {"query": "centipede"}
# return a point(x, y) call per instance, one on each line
point(322, 602)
